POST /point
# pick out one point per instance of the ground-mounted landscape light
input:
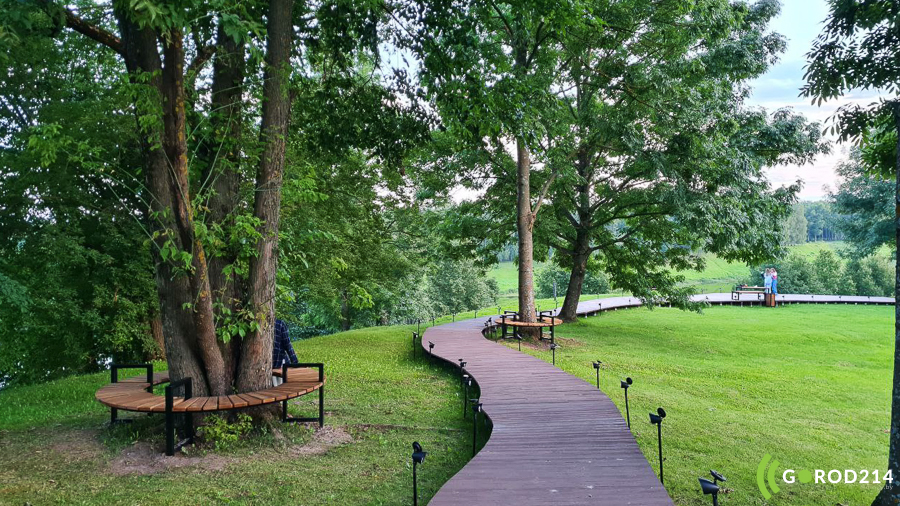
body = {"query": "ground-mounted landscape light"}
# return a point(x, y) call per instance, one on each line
point(430, 348)
point(656, 419)
point(462, 370)
point(418, 457)
point(414, 337)
point(476, 408)
point(597, 365)
point(518, 337)
point(625, 384)
point(467, 382)
point(712, 487)
point(553, 348)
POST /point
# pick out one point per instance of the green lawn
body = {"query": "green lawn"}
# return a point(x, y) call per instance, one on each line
point(809, 384)
point(56, 449)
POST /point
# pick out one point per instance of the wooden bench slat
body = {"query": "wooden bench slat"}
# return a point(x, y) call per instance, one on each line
point(251, 401)
point(224, 402)
point(212, 404)
point(237, 401)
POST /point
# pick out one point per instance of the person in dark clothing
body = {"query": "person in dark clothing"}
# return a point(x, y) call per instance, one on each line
point(282, 349)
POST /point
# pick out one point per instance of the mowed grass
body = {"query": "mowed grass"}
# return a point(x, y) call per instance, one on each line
point(809, 384)
point(57, 450)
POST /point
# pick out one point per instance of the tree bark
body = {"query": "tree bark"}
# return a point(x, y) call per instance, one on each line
point(581, 248)
point(255, 369)
point(175, 145)
point(569, 309)
point(524, 225)
point(221, 153)
point(174, 292)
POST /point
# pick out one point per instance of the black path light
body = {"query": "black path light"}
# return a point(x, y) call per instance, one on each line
point(430, 348)
point(467, 382)
point(418, 456)
point(656, 419)
point(597, 365)
point(414, 337)
point(712, 487)
point(625, 384)
point(553, 348)
point(476, 408)
point(462, 370)
point(518, 337)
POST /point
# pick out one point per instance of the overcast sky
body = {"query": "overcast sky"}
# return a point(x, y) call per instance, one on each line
point(801, 21)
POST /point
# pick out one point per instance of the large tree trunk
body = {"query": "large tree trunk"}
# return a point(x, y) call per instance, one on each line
point(255, 369)
point(174, 292)
point(569, 309)
point(221, 153)
point(175, 145)
point(892, 496)
point(581, 248)
point(524, 225)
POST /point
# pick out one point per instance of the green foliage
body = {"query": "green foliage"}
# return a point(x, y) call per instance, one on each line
point(795, 228)
point(594, 282)
point(865, 204)
point(224, 434)
point(857, 49)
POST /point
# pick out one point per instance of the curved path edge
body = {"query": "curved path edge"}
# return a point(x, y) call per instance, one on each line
point(557, 439)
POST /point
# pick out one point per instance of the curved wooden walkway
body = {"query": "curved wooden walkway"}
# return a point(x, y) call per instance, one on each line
point(556, 439)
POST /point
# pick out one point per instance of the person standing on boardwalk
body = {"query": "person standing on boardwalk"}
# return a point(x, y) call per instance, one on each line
point(774, 281)
point(282, 349)
point(767, 280)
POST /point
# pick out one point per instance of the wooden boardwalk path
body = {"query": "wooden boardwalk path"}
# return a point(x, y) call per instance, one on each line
point(556, 439)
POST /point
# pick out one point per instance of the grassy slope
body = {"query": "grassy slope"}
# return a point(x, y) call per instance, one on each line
point(375, 391)
point(809, 384)
point(718, 276)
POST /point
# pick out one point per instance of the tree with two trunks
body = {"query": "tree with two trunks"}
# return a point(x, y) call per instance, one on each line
point(628, 125)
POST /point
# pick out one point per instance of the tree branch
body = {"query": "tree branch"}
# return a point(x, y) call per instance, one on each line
point(92, 31)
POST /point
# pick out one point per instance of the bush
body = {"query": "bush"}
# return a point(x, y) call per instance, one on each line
point(594, 283)
point(224, 435)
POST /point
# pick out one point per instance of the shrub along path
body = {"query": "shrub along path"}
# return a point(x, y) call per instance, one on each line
point(556, 439)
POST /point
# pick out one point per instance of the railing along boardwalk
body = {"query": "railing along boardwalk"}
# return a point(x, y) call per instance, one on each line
point(556, 439)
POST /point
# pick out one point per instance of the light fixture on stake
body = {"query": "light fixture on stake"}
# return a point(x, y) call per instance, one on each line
point(418, 456)
point(462, 365)
point(467, 382)
point(712, 487)
point(553, 348)
point(656, 419)
point(414, 337)
point(597, 365)
point(430, 348)
point(625, 384)
point(476, 408)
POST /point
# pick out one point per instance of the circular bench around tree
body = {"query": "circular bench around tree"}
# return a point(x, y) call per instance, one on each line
point(136, 394)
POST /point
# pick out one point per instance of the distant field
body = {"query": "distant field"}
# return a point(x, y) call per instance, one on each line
point(718, 276)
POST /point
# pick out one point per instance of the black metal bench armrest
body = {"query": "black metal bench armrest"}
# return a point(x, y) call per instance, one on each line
point(114, 372)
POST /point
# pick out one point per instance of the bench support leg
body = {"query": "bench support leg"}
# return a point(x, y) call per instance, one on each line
point(320, 419)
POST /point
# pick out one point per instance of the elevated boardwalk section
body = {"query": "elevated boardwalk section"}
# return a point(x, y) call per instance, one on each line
point(556, 439)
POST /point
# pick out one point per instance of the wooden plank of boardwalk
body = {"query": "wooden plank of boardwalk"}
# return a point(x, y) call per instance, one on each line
point(557, 440)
